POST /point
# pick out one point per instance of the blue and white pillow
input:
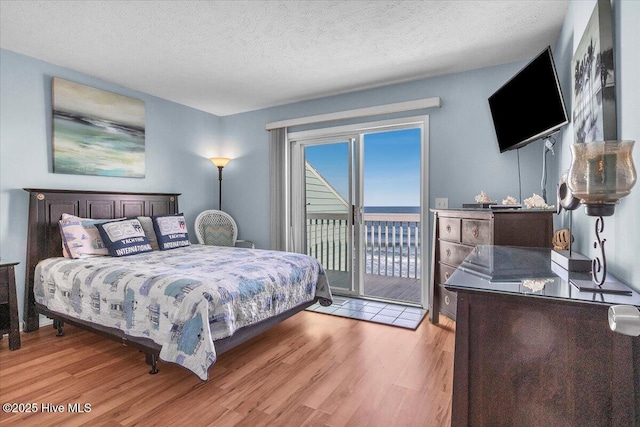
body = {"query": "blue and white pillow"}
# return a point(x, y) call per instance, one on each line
point(171, 231)
point(80, 237)
point(124, 237)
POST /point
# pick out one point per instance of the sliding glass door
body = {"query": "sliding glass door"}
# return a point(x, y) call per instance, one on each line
point(328, 189)
point(357, 207)
point(389, 186)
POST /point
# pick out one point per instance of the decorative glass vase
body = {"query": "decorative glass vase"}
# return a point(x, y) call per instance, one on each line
point(601, 173)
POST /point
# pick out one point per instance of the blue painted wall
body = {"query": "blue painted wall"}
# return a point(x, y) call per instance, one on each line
point(622, 230)
point(463, 160)
point(464, 157)
point(179, 141)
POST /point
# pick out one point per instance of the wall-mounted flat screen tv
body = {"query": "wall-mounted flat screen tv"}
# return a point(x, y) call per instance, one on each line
point(530, 105)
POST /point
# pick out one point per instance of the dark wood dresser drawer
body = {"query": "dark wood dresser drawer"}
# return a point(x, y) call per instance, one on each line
point(476, 232)
point(483, 257)
point(449, 229)
point(445, 272)
point(453, 253)
point(448, 302)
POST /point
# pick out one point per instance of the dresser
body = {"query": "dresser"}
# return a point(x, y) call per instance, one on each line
point(9, 323)
point(457, 232)
point(532, 350)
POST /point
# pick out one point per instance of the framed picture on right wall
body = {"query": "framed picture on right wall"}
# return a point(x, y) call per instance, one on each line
point(593, 79)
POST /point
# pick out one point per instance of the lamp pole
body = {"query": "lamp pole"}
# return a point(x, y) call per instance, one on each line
point(220, 187)
point(220, 162)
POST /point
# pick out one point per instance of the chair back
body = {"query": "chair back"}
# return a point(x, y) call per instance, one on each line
point(215, 227)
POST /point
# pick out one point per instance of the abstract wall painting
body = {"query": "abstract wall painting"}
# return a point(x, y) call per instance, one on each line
point(96, 132)
point(594, 94)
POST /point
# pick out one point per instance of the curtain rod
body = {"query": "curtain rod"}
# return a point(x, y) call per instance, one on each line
point(416, 104)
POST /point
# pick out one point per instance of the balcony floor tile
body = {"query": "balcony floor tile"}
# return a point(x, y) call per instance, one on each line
point(374, 311)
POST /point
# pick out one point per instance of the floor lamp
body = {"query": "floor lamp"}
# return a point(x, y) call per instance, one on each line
point(220, 162)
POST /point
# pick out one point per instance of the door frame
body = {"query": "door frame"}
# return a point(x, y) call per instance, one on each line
point(297, 140)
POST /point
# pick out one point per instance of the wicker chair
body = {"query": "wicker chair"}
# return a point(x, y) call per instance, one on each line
point(214, 227)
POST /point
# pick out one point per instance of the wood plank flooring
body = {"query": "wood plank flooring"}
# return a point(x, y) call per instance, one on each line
point(313, 369)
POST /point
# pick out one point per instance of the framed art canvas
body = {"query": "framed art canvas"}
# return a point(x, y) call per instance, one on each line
point(593, 82)
point(96, 132)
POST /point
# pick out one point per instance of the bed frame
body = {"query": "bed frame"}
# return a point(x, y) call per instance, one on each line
point(45, 210)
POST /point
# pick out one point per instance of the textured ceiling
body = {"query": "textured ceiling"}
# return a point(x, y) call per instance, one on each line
point(227, 57)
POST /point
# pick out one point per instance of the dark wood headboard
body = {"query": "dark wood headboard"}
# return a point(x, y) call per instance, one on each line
point(46, 208)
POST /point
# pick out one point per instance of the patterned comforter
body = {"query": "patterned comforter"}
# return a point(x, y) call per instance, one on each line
point(183, 299)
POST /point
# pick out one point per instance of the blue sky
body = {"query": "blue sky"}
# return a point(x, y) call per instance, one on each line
point(391, 167)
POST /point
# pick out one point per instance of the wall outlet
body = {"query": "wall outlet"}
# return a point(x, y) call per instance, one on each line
point(442, 203)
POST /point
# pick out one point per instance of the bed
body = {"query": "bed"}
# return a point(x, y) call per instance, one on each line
point(185, 305)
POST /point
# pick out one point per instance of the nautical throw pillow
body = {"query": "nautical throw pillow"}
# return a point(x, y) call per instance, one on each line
point(124, 237)
point(80, 237)
point(171, 231)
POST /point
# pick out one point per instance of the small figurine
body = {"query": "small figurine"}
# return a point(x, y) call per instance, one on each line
point(510, 201)
point(536, 202)
point(535, 285)
point(483, 198)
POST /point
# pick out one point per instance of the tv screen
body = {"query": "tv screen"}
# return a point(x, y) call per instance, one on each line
point(530, 105)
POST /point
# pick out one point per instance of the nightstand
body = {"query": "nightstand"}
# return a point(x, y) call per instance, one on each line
point(9, 305)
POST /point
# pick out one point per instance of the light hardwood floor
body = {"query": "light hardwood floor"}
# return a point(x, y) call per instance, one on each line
point(312, 369)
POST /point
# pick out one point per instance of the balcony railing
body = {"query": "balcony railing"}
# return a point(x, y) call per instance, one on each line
point(392, 242)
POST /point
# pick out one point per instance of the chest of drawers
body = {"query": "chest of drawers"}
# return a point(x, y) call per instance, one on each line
point(456, 233)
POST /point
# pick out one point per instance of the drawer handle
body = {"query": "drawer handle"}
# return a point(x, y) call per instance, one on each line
point(447, 275)
point(447, 300)
point(448, 252)
point(448, 228)
point(475, 232)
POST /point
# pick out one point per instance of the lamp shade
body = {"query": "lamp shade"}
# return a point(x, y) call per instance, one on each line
point(601, 173)
point(220, 161)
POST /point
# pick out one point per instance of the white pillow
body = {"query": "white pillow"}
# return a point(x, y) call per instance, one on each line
point(80, 237)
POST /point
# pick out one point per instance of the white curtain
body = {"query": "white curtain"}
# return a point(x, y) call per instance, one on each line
point(278, 188)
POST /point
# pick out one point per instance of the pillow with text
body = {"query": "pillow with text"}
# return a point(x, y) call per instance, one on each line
point(124, 237)
point(171, 231)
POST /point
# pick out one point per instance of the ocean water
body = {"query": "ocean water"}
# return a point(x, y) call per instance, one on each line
point(401, 228)
point(392, 209)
